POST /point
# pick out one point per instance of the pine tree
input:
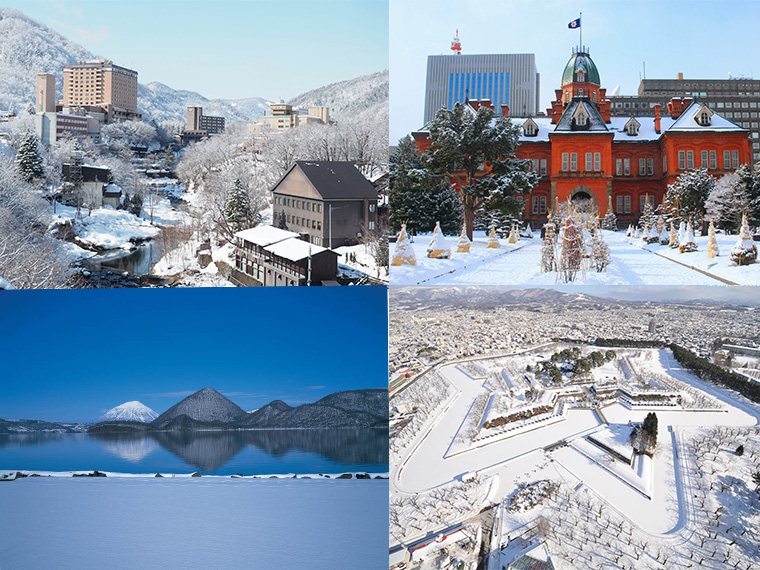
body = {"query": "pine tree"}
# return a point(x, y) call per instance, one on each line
point(169, 158)
point(686, 197)
point(750, 179)
point(609, 222)
point(727, 201)
point(463, 141)
point(238, 212)
point(647, 216)
point(28, 159)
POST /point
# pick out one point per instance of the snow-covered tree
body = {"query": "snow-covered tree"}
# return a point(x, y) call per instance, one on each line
point(727, 201)
point(648, 218)
point(28, 159)
point(686, 197)
point(745, 250)
point(478, 152)
point(600, 253)
point(548, 260)
point(688, 243)
point(238, 212)
point(571, 253)
point(416, 198)
point(712, 244)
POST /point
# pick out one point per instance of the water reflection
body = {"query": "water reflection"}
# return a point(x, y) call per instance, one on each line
point(131, 447)
point(139, 261)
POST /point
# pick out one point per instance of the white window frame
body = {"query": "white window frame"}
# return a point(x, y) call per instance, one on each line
point(597, 162)
point(650, 167)
point(690, 159)
point(713, 160)
point(573, 161)
point(589, 161)
point(627, 166)
point(642, 167)
point(565, 161)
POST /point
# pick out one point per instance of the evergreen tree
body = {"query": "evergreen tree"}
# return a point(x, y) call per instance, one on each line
point(648, 218)
point(238, 212)
point(417, 199)
point(478, 152)
point(28, 159)
point(750, 179)
point(169, 158)
point(686, 197)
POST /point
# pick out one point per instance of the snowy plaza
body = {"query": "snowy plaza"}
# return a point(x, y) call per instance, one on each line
point(557, 460)
point(633, 262)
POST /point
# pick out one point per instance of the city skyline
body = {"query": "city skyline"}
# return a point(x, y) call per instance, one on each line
point(233, 50)
point(70, 356)
point(619, 38)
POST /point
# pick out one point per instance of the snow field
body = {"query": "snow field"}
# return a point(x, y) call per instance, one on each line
point(106, 227)
point(633, 263)
point(203, 523)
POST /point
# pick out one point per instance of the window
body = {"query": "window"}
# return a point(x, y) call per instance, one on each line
point(627, 166)
point(371, 225)
point(593, 94)
point(735, 159)
point(580, 92)
point(543, 205)
point(598, 161)
point(573, 161)
point(535, 205)
point(535, 163)
point(624, 204)
point(589, 161)
point(713, 160)
point(627, 204)
point(643, 199)
point(371, 208)
point(689, 159)
point(726, 159)
point(619, 167)
point(704, 118)
point(543, 167)
point(633, 130)
point(566, 97)
point(642, 166)
point(704, 159)
point(581, 119)
point(565, 161)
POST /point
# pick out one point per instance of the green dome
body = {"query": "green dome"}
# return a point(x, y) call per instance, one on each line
point(580, 62)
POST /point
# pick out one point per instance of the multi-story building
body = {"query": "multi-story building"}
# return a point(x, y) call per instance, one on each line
point(200, 126)
point(735, 98)
point(52, 124)
point(330, 202)
point(275, 257)
point(503, 79)
point(102, 86)
point(283, 116)
point(584, 154)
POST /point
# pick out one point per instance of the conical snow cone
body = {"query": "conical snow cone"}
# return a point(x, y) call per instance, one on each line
point(493, 241)
point(745, 251)
point(463, 245)
point(673, 236)
point(712, 244)
point(688, 243)
point(438, 248)
point(403, 254)
point(513, 235)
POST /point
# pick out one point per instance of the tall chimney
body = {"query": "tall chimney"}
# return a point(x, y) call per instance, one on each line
point(657, 118)
point(505, 110)
point(680, 75)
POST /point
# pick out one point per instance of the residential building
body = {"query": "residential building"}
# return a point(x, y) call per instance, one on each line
point(735, 98)
point(504, 79)
point(584, 154)
point(330, 202)
point(102, 86)
point(90, 185)
point(283, 116)
point(275, 257)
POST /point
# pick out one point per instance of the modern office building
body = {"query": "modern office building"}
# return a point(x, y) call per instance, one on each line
point(103, 85)
point(735, 98)
point(504, 79)
point(197, 121)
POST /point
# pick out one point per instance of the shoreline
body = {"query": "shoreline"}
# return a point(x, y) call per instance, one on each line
point(13, 475)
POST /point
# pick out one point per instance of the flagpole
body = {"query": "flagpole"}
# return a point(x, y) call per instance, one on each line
point(580, 27)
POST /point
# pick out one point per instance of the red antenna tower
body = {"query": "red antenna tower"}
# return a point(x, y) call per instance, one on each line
point(456, 45)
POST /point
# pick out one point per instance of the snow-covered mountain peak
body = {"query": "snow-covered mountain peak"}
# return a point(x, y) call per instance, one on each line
point(129, 411)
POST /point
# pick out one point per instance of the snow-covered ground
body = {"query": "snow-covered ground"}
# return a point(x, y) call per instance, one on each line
point(191, 523)
point(652, 496)
point(107, 228)
point(633, 263)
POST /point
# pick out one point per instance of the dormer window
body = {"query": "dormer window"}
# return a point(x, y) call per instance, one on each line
point(530, 128)
point(632, 127)
point(703, 116)
point(581, 117)
point(580, 76)
point(580, 92)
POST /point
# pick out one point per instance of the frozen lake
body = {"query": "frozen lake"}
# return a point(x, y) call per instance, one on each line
point(252, 452)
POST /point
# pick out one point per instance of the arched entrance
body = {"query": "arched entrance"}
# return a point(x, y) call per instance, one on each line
point(583, 199)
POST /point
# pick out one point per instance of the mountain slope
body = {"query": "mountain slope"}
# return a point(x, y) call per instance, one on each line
point(365, 95)
point(354, 408)
point(205, 406)
point(131, 412)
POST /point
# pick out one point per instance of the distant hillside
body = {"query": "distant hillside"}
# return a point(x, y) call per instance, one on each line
point(365, 95)
point(205, 406)
point(36, 426)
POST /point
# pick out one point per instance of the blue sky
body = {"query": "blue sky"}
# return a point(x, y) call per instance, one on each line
point(71, 355)
point(703, 39)
point(227, 49)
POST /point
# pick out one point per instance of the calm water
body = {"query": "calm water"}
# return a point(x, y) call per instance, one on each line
point(139, 261)
point(220, 453)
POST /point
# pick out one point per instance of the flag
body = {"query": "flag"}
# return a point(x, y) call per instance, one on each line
point(574, 24)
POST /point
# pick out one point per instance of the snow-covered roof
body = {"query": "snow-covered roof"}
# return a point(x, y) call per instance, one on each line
point(295, 249)
point(687, 122)
point(265, 235)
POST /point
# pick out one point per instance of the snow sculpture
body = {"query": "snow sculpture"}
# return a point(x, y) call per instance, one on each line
point(438, 248)
point(463, 245)
point(712, 244)
point(403, 254)
point(513, 235)
point(745, 251)
point(681, 233)
point(688, 243)
point(493, 241)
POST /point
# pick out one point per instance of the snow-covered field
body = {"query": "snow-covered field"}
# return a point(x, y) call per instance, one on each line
point(107, 228)
point(648, 501)
point(633, 262)
point(191, 523)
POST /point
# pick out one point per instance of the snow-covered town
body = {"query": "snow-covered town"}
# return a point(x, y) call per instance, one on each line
point(544, 449)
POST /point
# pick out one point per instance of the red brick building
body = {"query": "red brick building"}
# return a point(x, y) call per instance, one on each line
point(584, 154)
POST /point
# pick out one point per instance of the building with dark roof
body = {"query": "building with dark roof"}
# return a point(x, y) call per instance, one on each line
point(584, 154)
point(331, 203)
